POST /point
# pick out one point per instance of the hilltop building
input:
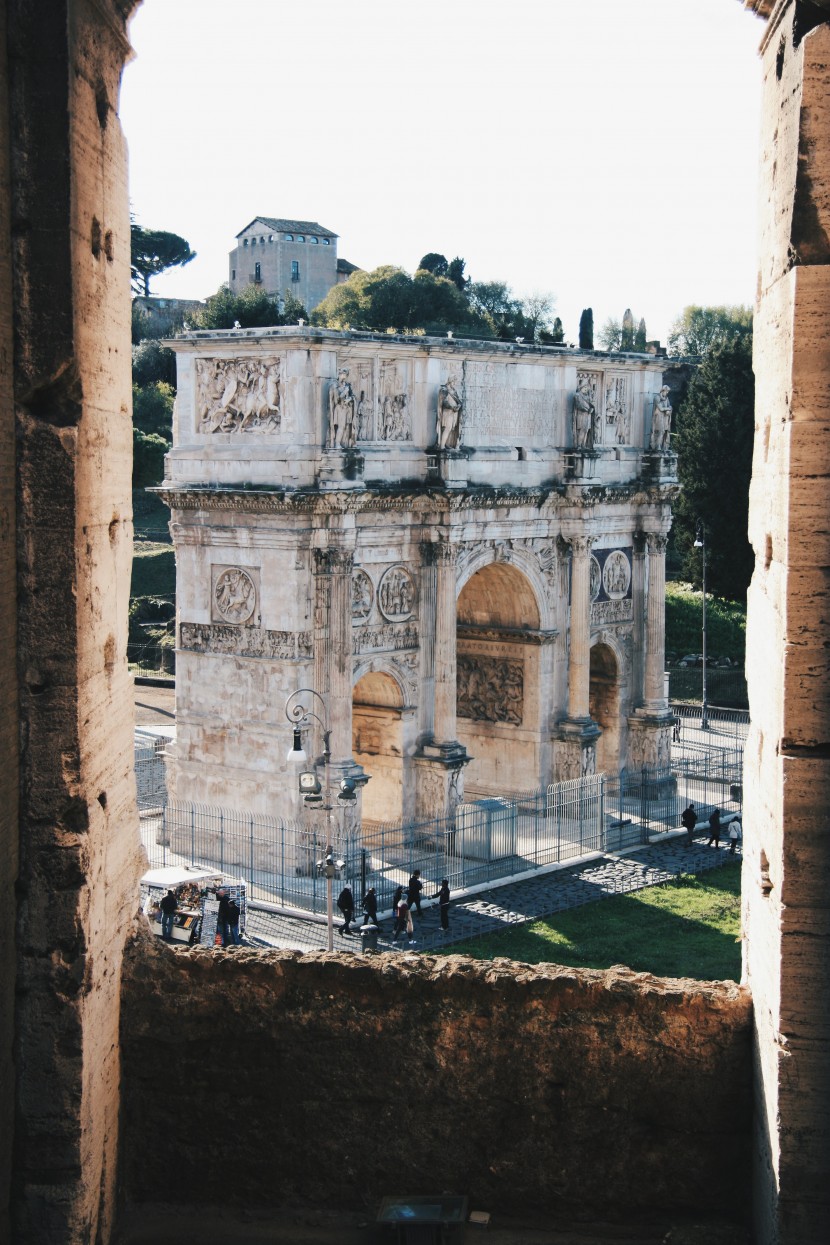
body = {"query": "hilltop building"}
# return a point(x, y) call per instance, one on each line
point(287, 256)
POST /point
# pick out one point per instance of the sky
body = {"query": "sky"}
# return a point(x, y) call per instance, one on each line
point(604, 152)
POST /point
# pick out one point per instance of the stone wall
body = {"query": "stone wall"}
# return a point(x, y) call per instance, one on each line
point(282, 1078)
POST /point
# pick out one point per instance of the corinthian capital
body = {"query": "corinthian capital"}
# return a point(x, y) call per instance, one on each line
point(333, 561)
point(656, 543)
point(580, 545)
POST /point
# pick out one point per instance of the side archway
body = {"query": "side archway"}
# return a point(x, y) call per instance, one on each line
point(604, 705)
point(378, 744)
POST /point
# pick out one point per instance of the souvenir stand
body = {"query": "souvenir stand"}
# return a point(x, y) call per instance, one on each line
point(197, 905)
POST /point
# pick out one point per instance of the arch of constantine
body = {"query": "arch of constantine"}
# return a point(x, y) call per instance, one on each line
point(459, 545)
point(92, 1021)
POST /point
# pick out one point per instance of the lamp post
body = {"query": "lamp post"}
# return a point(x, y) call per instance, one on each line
point(298, 715)
point(700, 543)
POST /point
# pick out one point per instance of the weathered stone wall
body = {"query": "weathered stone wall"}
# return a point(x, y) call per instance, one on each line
point(787, 784)
point(77, 831)
point(281, 1078)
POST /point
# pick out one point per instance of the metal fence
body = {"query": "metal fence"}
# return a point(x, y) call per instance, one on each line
point(155, 660)
point(488, 841)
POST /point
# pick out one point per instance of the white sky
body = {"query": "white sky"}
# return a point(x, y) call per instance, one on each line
point(602, 150)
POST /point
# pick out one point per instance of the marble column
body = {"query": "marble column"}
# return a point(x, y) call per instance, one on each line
point(445, 644)
point(333, 645)
point(653, 682)
point(579, 655)
point(638, 596)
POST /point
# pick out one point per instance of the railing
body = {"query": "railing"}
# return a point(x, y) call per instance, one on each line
point(485, 842)
point(152, 660)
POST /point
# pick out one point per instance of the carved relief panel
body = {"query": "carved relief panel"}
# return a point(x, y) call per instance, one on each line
point(363, 594)
point(490, 689)
point(363, 383)
point(618, 408)
point(394, 416)
point(396, 594)
point(239, 395)
point(234, 594)
point(610, 581)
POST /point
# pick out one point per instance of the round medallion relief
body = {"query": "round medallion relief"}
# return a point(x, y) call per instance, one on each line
point(396, 594)
point(363, 593)
point(595, 580)
point(235, 595)
point(616, 575)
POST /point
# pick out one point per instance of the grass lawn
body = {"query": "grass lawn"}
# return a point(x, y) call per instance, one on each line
point(686, 928)
point(725, 623)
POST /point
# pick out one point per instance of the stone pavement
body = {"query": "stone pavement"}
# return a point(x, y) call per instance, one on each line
point(513, 903)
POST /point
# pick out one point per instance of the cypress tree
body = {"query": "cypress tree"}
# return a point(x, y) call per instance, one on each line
point(586, 329)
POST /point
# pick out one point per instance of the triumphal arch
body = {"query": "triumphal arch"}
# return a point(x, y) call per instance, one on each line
point(459, 545)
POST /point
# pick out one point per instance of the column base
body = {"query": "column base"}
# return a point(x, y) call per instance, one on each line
point(439, 779)
point(649, 738)
point(575, 748)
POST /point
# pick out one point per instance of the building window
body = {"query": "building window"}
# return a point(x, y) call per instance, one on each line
point(262, 242)
point(257, 273)
point(326, 242)
point(233, 274)
point(300, 238)
point(289, 237)
point(313, 241)
point(253, 241)
point(270, 237)
point(295, 270)
point(245, 242)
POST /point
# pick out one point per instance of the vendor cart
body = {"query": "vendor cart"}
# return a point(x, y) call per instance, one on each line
point(196, 901)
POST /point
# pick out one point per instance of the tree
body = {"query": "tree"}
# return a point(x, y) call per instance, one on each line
point(252, 309)
point(492, 299)
point(640, 337)
point(153, 361)
point(586, 329)
point(698, 329)
point(537, 309)
point(389, 298)
point(455, 272)
point(714, 439)
point(610, 335)
point(434, 262)
point(555, 336)
point(292, 309)
point(627, 335)
point(149, 450)
point(153, 408)
point(153, 251)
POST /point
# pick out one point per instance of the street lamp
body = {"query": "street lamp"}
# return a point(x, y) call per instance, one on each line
point(298, 715)
point(700, 543)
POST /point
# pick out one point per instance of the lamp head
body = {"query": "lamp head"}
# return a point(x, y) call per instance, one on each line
point(347, 789)
point(309, 782)
point(296, 753)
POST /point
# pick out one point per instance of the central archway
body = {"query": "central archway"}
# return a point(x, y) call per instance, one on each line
point(498, 681)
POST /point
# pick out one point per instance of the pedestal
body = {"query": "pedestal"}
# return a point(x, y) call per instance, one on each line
point(575, 748)
point(439, 780)
point(341, 469)
point(448, 466)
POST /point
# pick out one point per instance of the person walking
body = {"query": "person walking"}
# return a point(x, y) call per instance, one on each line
point(402, 917)
point(396, 899)
point(689, 820)
point(714, 829)
point(345, 902)
point(735, 829)
point(370, 908)
point(168, 906)
point(234, 914)
point(443, 898)
point(414, 891)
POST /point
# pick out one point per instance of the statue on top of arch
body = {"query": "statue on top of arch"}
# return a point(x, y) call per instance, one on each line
point(450, 406)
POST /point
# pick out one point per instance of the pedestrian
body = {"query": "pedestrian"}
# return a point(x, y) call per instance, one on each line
point(233, 923)
point(443, 898)
point(414, 891)
point(689, 819)
point(345, 902)
point(222, 915)
point(676, 730)
point(714, 828)
point(370, 908)
point(168, 906)
point(735, 829)
point(396, 899)
point(402, 917)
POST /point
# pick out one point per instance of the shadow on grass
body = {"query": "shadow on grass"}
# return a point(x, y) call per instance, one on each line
point(685, 928)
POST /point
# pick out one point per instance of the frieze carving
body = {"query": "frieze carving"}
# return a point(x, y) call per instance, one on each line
point(618, 409)
point(245, 641)
point(595, 577)
point(612, 611)
point(238, 395)
point(363, 594)
point(396, 594)
point(490, 689)
point(385, 637)
point(234, 594)
point(616, 575)
point(333, 561)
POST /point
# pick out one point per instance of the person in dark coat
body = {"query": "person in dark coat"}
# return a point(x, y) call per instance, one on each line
point(222, 916)
point(714, 829)
point(689, 819)
point(396, 899)
point(414, 891)
point(443, 898)
point(168, 906)
point(370, 907)
point(233, 923)
point(345, 902)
